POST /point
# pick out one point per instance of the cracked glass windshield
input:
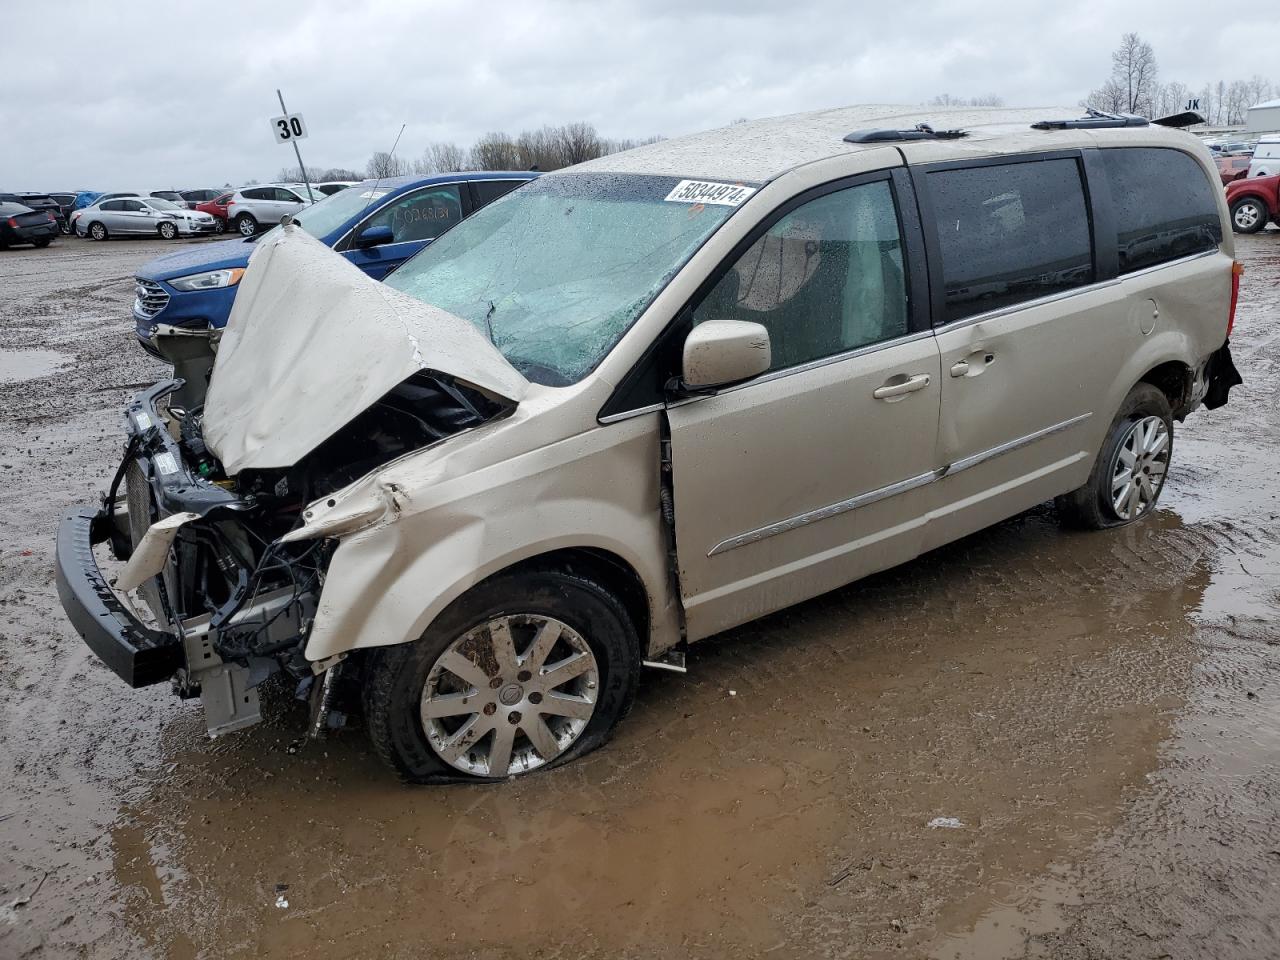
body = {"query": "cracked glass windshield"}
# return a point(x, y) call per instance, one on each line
point(555, 272)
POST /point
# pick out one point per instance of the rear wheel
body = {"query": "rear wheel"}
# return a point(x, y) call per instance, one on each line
point(219, 225)
point(1130, 471)
point(97, 231)
point(1248, 215)
point(524, 671)
point(246, 225)
point(167, 230)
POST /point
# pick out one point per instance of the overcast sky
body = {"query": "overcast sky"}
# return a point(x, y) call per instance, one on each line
point(148, 94)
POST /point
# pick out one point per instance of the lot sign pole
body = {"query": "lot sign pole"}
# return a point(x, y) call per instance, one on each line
point(296, 152)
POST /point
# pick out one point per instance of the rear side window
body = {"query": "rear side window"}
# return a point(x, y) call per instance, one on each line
point(259, 193)
point(1009, 233)
point(488, 191)
point(1165, 207)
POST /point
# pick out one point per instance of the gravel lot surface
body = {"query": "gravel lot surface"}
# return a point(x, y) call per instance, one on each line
point(1099, 712)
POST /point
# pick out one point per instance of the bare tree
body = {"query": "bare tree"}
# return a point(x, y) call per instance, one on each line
point(578, 143)
point(1109, 98)
point(317, 174)
point(495, 151)
point(442, 158)
point(1133, 67)
point(383, 164)
point(986, 100)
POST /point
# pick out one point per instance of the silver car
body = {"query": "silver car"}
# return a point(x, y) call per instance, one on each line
point(141, 216)
point(267, 204)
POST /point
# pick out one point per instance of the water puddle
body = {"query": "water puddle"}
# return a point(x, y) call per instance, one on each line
point(19, 366)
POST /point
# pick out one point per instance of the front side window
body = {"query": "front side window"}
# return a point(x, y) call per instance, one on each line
point(1165, 207)
point(421, 215)
point(1009, 233)
point(827, 277)
point(287, 196)
point(556, 272)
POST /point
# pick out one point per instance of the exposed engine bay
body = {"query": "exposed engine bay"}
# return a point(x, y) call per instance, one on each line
point(241, 600)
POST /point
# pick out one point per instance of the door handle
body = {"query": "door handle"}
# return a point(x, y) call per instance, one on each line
point(910, 385)
point(974, 364)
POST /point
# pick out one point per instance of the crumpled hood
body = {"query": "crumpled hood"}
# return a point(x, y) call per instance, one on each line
point(313, 342)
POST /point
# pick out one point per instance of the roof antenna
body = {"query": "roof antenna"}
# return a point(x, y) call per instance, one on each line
point(373, 194)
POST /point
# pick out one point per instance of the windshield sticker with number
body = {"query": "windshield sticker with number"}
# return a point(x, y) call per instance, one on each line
point(702, 191)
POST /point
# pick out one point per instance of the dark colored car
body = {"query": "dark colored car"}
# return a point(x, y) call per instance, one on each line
point(20, 224)
point(203, 195)
point(66, 201)
point(37, 201)
point(1254, 202)
point(173, 196)
point(217, 208)
point(1233, 167)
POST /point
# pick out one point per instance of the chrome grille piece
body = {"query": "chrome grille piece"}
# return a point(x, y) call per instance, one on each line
point(151, 297)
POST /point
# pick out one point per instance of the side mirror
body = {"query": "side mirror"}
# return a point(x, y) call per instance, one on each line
point(720, 352)
point(374, 237)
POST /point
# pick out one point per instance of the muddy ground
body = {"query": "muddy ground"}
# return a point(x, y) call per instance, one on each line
point(1100, 712)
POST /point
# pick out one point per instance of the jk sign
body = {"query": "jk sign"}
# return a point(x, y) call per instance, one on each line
point(289, 127)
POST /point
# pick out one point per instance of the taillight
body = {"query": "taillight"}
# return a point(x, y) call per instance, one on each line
point(52, 218)
point(1237, 271)
point(13, 222)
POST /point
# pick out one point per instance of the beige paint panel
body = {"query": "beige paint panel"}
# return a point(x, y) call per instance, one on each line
point(780, 448)
point(448, 523)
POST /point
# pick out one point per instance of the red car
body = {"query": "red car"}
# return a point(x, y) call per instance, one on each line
point(1233, 168)
point(1253, 203)
point(218, 209)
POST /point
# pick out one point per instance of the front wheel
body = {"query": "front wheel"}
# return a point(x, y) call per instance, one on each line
point(1130, 471)
point(167, 230)
point(524, 671)
point(246, 225)
point(1248, 215)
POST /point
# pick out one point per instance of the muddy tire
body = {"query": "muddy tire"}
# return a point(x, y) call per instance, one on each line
point(1248, 215)
point(506, 710)
point(1131, 468)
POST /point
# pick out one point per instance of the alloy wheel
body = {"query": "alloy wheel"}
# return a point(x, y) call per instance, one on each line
point(1138, 470)
point(1246, 216)
point(246, 227)
point(510, 695)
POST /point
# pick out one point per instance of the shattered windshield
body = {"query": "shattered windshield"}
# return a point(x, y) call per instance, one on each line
point(555, 272)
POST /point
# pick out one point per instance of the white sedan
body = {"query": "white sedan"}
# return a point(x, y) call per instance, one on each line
point(140, 216)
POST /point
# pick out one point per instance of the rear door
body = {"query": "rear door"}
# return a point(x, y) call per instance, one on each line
point(415, 219)
point(1030, 342)
point(814, 473)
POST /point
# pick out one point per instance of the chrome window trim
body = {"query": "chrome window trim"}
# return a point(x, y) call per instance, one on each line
point(628, 414)
point(891, 490)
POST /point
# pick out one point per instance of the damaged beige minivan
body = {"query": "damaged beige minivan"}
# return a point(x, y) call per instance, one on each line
point(642, 400)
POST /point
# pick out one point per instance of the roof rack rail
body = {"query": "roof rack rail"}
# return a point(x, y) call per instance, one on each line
point(921, 131)
point(1093, 120)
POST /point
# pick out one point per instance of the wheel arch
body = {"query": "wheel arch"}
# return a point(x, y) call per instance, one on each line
point(1173, 378)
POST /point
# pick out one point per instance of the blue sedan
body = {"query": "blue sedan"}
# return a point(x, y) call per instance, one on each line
point(377, 225)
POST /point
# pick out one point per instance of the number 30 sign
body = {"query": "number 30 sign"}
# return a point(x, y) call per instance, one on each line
point(289, 127)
